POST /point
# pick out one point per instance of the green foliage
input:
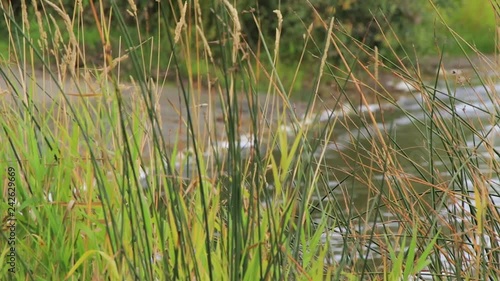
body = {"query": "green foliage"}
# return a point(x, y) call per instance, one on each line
point(312, 197)
point(408, 263)
point(361, 20)
point(474, 21)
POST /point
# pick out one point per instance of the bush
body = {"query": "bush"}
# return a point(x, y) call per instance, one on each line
point(361, 20)
point(409, 19)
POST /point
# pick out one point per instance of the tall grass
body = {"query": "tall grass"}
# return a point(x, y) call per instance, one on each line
point(124, 177)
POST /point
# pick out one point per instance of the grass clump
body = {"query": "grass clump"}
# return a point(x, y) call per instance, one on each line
point(213, 180)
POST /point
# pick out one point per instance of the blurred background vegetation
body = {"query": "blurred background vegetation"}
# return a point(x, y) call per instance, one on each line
point(416, 24)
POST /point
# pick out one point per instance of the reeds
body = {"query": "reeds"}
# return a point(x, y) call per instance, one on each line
point(123, 176)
